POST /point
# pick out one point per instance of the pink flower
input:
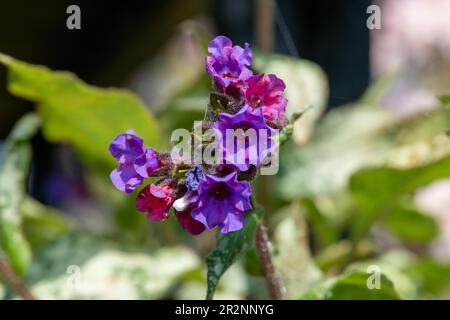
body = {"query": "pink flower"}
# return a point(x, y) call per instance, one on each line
point(266, 92)
point(155, 201)
point(188, 223)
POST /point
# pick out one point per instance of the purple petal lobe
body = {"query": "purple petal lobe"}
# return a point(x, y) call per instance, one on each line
point(246, 138)
point(136, 162)
point(228, 63)
point(222, 202)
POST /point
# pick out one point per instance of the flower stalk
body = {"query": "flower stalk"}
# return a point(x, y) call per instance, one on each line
point(273, 282)
point(13, 281)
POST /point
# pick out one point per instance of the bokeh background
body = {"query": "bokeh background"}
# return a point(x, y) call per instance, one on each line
point(363, 181)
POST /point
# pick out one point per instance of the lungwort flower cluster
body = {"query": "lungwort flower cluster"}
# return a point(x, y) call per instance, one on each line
point(205, 196)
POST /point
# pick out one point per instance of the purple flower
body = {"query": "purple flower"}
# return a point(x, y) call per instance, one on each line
point(248, 146)
point(222, 202)
point(136, 161)
point(193, 178)
point(227, 63)
point(266, 92)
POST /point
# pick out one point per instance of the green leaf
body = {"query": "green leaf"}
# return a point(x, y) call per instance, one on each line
point(444, 99)
point(392, 264)
point(411, 225)
point(337, 255)
point(16, 156)
point(323, 230)
point(347, 138)
point(53, 259)
point(234, 285)
point(115, 274)
point(376, 191)
point(252, 264)
point(433, 277)
point(356, 136)
point(353, 286)
point(229, 248)
point(42, 223)
point(295, 263)
point(85, 116)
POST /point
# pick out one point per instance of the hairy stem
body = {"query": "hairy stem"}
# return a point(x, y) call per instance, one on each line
point(13, 281)
point(273, 281)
